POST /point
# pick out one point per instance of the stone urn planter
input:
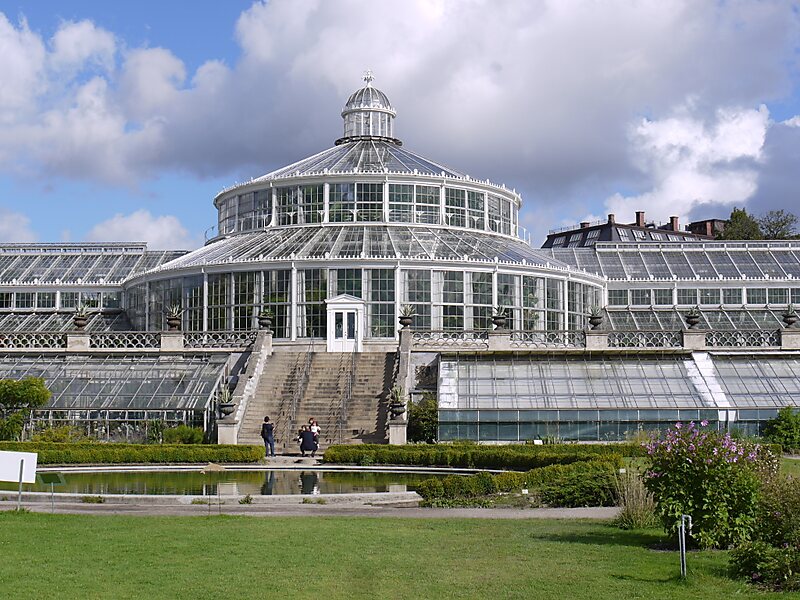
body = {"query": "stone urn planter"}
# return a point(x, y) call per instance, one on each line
point(407, 314)
point(265, 321)
point(173, 323)
point(499, 321)
point(80, 321)
point(692, 319)
point(405, 321)
point(396, 408)
point(595, 321)
point(226, 408)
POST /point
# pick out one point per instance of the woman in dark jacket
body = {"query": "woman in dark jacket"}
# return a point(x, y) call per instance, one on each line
point(307, 443)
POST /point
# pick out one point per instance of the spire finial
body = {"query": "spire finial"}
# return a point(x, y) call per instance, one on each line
point(368, 77)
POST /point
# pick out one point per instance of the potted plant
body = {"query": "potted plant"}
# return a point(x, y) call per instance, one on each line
point(265, 319)
point(790, 317)
point(499, 317)
point(225, 401)
point(595, 316)
point(693, 317)
point(174, 314)
point(397, 402)
point(407, 314)
point(81, 316)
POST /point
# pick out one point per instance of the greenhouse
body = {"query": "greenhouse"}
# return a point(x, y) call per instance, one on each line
point(399, 270)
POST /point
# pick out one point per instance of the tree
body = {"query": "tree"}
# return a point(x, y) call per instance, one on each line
point(741, 226)
point(423, 419)
point(17, 399)
point(784, 429)
point(778, 225)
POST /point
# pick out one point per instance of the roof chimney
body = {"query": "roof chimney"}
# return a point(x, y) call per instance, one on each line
point(584, 224)
point(640, 218)
point(673, 224)
point(709, 229)
point(611, 218)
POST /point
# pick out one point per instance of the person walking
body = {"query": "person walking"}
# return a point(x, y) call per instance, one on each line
point(268, 435)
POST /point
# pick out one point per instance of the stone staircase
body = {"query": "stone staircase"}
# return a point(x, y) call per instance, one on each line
point(325, 385)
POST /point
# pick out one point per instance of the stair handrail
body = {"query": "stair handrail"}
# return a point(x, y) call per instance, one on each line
point(347, 396)
point(299, 390)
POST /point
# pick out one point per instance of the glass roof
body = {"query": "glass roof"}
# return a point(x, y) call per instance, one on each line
point(673, 319)
point(19, 321)
point(550, 382)
point(121, 382)
point(366, 156)
point(767, 381)
point(364, 241)
point(92, 264)
point(697, 261)
point(539, 382)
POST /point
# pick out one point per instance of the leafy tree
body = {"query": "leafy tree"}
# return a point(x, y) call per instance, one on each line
point(17, 399)
point(784, 429)
point(741, 226)
point(778, 225)
point(423, 420)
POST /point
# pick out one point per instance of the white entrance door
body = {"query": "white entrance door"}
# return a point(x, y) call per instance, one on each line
point(345, 330)
point(345, 323)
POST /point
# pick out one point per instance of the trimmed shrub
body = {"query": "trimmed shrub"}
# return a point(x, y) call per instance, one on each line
point(586, 483)
point(469, 456)
point(62, 454)
point(785, 429)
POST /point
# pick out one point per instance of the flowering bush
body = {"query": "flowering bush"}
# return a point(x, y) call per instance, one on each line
point(709, 476)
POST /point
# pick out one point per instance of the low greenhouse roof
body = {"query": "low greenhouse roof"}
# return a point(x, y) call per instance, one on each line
point(129, 382)
point(672, 319)
point(699, 261)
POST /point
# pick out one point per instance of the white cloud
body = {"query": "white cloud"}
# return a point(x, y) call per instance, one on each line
point(15, 227)
point(691, 161)
point(76, 44)
point(537, 95)
point(160, 232)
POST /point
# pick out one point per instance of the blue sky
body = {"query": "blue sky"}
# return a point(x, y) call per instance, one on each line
point(122, 120)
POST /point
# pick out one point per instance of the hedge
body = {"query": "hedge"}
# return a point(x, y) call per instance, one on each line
point(587, 483)
point(517, 457)
point(95, 453)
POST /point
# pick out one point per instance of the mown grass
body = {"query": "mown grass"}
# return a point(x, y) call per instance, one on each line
point(80, 556)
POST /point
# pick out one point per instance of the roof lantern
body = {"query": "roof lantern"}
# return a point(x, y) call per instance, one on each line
point(368, 115)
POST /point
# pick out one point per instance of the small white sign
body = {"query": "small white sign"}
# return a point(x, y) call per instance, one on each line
point(9, 466)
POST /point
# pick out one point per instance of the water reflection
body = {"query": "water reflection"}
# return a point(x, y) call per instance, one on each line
point(255, 482)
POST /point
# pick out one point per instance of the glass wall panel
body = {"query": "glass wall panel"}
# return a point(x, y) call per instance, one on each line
point(277, 298)
point(401, 203)
point(341, 202)
point(311, 310)
point(381, 306)
point(369, 202)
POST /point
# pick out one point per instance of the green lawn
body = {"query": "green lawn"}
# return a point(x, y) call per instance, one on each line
point(75, 556)
point(790, 466)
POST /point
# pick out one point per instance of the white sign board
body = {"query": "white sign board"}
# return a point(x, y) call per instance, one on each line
point(9, 466)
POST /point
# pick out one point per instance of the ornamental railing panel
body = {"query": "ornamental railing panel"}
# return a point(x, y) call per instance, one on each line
point(548, 339)
point(472, 340)
point(108, 340)
point(645, 339)
point(218, 339)
point(23, 340)
point(744, 338)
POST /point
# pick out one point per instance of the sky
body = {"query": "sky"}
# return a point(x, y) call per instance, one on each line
point(120, 121)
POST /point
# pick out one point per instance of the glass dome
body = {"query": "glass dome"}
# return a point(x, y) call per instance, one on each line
point(368, 114)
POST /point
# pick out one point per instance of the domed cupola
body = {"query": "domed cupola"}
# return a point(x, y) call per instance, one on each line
point(368, 115)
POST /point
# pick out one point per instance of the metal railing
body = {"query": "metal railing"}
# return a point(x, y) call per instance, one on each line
point(218, 339)
point(24, 340)
point(300, 384)
point(451, 339)
point(645, 339)
point(125, 339)
point(547, 339)
point(744, 338)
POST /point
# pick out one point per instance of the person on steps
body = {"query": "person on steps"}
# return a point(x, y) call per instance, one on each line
point(268, 435)
point(307, 443)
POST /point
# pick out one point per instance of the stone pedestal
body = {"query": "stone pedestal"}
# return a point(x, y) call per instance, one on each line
point(500, 340)
point(172, 341)
point(397, 432)
point(694, 339)
point(596, 340)
point(790, 339)
point(226, 431)
point(77, 342)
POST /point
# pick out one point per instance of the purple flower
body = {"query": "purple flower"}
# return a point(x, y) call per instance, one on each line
point(678, 425)
point(704, 423)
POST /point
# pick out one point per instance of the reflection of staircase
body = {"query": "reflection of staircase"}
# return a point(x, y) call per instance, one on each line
point(363, 419)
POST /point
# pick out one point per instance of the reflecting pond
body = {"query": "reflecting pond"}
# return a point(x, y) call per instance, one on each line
point(264, 483)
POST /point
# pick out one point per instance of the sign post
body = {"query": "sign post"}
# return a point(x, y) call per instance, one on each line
point(18, 467)
point(52, 479)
